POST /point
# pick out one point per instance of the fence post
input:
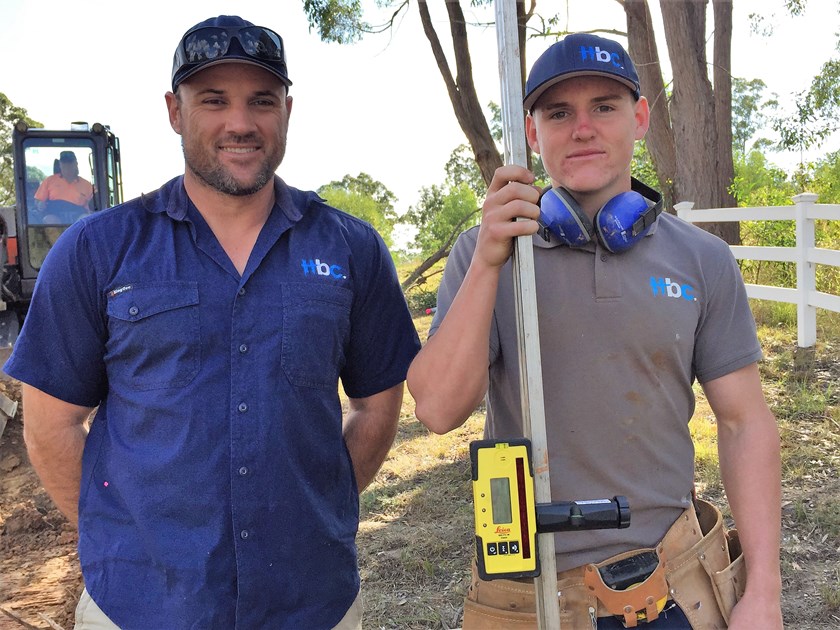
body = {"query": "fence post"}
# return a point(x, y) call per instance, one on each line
point(806, 275)
point(683, 208)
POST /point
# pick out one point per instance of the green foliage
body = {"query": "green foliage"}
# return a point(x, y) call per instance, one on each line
point(423, 295)
point(796, 7)
point(826, 178)
point(462, 169)
point(642, 166)
point(757, 184)
point(364, 184)
point(817, 111)
point(444, 211)
point(9, 115)
point(336, 20)
point(825, 182)
point(496, 130)
point(824, 88)
point(769, 234)
point(808, 127)
point(748, 111)
point(496, 127)
point(366, 199)
point(420, 298)
point(760, 183)
point(538, 169)
point(440, 215)
point(361, 207)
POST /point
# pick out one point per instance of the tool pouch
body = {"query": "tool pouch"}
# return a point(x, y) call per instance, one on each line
point(730, 582)
point(503, 604)
point(702, 566)
point(704, 580)
point(642, 601)
point(499, 604)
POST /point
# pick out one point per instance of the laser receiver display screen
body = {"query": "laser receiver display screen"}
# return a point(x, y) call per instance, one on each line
point(500, 500)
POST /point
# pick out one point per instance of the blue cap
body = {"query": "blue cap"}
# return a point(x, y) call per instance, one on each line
point(576, 55)
point(226, 39)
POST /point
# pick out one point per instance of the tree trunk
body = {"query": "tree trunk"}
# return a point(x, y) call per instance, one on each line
point(722, 61)
point(660, 136)
point(461, 90)
point(465, 102)
point(694, 119)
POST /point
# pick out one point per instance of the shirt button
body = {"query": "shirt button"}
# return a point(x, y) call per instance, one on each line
point(242, 407)
point(604, 257)
point(133, 311)
point(241, 291)
point(243, 348)
point(243, 470)
point(243, 534)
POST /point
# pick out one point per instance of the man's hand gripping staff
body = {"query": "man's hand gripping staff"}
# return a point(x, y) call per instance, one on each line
point(510, 196)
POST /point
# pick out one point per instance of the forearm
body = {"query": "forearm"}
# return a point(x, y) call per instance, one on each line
point(57, 458)
point(751, 471)
point(448, 378)
point(369, 430)
point(55, 435)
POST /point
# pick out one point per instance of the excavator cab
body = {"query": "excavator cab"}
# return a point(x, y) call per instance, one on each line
point(60, 177)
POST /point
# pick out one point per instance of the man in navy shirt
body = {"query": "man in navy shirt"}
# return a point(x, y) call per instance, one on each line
point(209, 323)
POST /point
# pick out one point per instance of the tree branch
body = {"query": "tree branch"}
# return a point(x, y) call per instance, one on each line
point(441, 253)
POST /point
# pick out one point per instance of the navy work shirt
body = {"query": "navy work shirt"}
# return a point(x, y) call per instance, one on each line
point(217, 490)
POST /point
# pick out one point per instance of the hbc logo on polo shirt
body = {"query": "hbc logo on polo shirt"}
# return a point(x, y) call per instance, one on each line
point(596, 54)
point(667, 288)
point(319, 268)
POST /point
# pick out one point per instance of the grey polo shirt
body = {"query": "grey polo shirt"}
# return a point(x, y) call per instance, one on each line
point(622, 338)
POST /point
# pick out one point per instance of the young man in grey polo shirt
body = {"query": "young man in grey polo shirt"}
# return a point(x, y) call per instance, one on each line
point(627, 323)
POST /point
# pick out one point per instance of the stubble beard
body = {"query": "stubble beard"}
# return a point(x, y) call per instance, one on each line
point(216, 176)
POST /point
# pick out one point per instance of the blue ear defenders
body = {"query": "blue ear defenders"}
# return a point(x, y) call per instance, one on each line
point(619, 225)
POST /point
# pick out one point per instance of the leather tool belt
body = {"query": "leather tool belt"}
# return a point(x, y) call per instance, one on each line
point(697, 565)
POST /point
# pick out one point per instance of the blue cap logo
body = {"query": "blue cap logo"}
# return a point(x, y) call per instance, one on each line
point(580, 54)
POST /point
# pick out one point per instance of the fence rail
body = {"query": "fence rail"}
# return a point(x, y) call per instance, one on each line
point(804, 254)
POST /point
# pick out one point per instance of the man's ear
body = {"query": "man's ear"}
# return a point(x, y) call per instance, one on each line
point(642, 117)
point(531, 133)
point(173, 106)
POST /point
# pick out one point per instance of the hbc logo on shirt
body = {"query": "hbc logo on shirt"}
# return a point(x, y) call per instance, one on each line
point(321, 268)
point(667, 288)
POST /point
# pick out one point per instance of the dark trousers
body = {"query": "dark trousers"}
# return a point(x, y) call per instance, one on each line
point(672, 618)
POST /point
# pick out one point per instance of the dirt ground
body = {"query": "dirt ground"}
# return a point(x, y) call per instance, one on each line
point(40, 580)
point(39, 572)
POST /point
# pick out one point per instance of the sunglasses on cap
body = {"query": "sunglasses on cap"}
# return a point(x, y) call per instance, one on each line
point(211, 43)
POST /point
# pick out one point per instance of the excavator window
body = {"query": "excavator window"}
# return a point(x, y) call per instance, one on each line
point(60, 191)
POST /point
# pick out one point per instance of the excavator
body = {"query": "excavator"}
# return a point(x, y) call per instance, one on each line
point(60, 176)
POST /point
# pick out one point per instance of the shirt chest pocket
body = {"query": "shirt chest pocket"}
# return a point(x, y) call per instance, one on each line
point(154, 334)
point(316, 329)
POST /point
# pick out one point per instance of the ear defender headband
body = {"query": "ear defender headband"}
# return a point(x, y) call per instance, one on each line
point(619, 224)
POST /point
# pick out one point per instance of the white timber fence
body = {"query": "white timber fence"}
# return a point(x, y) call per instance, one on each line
point(805, 255)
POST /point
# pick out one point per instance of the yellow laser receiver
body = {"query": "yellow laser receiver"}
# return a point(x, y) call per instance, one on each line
point(505, 512)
